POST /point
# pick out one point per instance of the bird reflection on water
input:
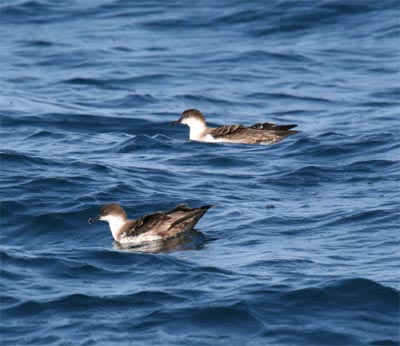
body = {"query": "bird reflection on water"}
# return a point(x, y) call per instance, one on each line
point(190, 240)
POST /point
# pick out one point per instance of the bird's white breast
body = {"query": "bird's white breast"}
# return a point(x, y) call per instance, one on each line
point(140, 239)
point(209, 138)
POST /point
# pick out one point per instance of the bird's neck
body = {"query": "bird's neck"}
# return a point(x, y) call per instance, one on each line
point(197, 130)
point(116, 223)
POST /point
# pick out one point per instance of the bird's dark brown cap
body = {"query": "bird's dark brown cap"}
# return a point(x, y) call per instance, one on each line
point(190, 113)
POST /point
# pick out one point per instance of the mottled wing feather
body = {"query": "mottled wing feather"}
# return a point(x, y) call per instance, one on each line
point(228, 130)
point(145, 224)
point(225, 130)
point(179, 219)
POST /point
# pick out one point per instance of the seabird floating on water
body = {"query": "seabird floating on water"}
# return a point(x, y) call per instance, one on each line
point(152, 227)
point(260, 133)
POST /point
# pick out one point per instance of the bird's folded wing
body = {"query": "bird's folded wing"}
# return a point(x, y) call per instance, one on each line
point(226, 130)
point(144, 224)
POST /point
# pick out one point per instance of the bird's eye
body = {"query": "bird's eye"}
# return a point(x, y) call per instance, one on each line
point(183, 115)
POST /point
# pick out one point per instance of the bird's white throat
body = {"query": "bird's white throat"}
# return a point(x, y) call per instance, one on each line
point(197, 128)
point(115, 223)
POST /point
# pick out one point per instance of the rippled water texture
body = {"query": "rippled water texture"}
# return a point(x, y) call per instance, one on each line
point(302, 246)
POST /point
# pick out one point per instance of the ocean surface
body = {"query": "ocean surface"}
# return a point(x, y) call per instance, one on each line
point(302, 244)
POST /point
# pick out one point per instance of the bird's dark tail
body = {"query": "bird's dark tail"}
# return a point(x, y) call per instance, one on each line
point(195, 214)
point(284, 134)
point(272, 127)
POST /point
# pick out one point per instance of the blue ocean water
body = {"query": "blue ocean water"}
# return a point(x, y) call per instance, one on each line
point(302, 245)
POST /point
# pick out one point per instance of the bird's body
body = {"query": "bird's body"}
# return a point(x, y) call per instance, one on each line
point(260, 133)
point(157, 226)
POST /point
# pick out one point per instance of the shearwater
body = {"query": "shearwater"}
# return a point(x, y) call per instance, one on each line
point(260, 133)
point(157, 226)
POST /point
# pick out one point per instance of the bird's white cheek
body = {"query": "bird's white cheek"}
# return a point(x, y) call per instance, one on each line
point(109, 218)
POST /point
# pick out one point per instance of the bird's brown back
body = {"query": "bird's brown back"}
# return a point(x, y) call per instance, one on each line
point(165, 224)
